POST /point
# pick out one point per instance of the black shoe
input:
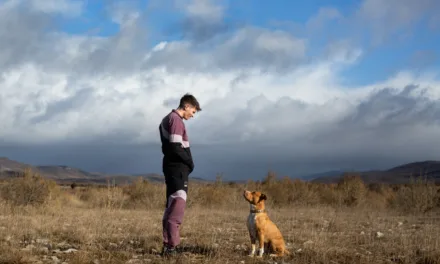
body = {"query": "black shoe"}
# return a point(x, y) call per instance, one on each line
point(168, 251)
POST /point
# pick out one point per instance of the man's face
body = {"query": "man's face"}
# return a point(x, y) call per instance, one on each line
point(189, 112)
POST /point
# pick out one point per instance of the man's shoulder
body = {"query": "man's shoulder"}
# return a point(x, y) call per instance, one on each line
point(171, 115)
point(175, 118)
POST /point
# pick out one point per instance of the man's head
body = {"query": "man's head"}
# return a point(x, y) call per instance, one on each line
point(188, 106)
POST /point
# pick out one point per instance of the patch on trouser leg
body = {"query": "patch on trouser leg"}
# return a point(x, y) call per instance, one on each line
point(172, 220)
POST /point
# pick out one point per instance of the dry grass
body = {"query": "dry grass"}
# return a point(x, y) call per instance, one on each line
point(344, 223)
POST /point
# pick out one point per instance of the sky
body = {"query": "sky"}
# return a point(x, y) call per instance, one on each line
point(288, 86)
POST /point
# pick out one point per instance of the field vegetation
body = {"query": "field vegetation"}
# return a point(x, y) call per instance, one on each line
point(346, 222)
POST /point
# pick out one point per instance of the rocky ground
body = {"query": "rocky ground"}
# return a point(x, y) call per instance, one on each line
point(314, 235)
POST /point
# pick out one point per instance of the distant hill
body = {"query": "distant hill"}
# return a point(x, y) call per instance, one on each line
point(11, 167)
point(429, 170)
point(65, 172)
point(322, 175)
point(67, 175)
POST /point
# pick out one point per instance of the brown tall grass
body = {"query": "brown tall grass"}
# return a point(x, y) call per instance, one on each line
point(347, 222)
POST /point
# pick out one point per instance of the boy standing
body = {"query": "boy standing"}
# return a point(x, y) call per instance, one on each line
point(177, 164)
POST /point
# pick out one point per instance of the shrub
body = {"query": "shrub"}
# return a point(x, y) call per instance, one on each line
point(145, 195)
point(216, 195)
point(328, 195)
point(352, 190)
point(291, 192)
point(29, 188)
point(109, 196)
point(420, 196)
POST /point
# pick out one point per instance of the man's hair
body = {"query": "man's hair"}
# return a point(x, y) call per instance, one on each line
point(191, 100)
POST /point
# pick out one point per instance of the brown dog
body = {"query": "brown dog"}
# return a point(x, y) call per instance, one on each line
point(261, 228)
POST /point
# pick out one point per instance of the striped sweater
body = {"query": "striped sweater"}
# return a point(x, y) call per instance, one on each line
point(175, 143)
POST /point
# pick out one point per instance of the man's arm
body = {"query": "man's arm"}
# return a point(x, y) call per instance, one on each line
point(176, 143)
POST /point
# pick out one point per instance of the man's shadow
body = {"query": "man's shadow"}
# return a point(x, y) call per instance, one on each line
point(190, 249)
point(197, 249)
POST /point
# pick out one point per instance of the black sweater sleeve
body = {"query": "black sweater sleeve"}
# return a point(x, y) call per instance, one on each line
point(182, 154)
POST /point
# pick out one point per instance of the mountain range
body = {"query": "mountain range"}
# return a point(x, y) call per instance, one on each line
point(66, 175)
point(405, 173)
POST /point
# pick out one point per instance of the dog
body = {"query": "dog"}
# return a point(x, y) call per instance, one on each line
point(261, 228)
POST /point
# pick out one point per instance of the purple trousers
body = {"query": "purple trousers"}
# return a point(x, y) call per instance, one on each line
point(172, 219)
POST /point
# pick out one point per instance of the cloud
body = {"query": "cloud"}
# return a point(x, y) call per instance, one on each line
point(204, 9)
point(422, 59)
point(396, 121)
point(69, 8)
point(248, 49)
point(370, 23)
point(385, 19)
point(20, 34)
point(323, 16)
point(267, 99)
point(202, 20)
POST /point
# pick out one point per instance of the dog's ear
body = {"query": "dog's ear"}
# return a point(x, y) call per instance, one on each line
point(263, 197)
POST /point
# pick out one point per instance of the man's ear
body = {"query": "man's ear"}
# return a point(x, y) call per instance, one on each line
point(263, 197)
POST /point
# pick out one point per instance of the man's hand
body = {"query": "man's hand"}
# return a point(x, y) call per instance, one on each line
point(191, 167)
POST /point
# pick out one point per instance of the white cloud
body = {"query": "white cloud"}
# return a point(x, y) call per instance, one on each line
point(324, 14)
point(51, 105)
point(123, 13)
point(202, 20)
point(65, 7)
point(343, 51)
point(387, 18)
point(256, 88)
point(205, 9)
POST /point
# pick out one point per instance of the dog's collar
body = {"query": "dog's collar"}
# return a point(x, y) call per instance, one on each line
point(253, 211)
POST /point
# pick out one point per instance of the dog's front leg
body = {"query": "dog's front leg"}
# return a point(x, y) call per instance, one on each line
point(253, 242)
point(261, 243)
point(252, 253)
point(252, 234)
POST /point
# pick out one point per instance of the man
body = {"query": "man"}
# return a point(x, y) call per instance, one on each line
point(177, 164)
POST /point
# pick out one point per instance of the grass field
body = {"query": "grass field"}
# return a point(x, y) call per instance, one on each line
point(344, 223)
